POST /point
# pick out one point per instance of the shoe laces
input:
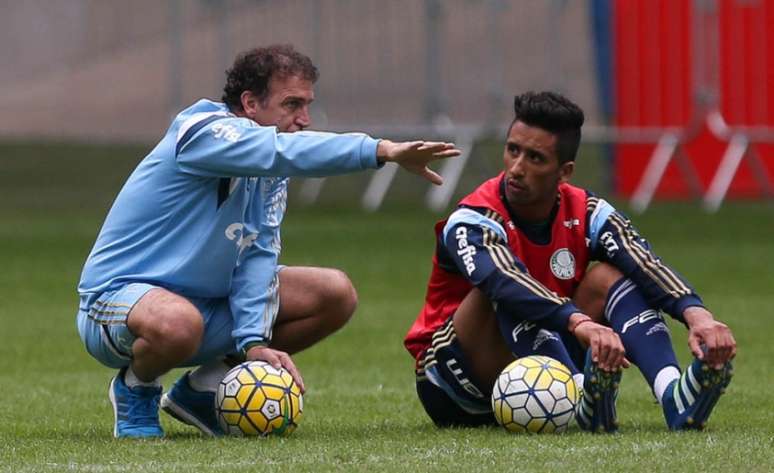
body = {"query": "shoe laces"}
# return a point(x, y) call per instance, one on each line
point(144, 408)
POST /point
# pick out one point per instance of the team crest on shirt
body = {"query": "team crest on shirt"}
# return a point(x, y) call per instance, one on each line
point(563, 264)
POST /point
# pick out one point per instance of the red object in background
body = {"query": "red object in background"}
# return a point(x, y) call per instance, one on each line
point(660, 62)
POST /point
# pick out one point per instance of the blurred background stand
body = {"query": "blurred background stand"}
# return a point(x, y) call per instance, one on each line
point(676, 93)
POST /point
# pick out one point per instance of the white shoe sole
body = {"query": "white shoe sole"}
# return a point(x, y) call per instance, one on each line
point(173, 409)
point(115, 407)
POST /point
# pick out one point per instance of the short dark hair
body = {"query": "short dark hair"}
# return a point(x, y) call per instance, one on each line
point(253, 70)
point(554, 113)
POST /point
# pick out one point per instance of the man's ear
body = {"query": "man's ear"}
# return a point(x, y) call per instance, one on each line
point(250, 103)
point(566, 170)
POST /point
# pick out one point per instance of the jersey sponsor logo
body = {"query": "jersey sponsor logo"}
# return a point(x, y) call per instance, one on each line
point(464, 250)
point(226, 132)
point(608, 241)
point(563, 264)
point(469, 387)
point(574, 222)
point(521, 327)
point(235, 232)
point(640, 318)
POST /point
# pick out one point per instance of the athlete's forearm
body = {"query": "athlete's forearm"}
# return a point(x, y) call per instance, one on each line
point(254, 297)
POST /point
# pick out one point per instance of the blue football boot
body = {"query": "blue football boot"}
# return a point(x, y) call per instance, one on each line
point(596, 409)
point(688, 401)
point(192, 407)
point(136, 409)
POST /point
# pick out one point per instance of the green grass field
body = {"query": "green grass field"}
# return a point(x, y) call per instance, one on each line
point(361, 412)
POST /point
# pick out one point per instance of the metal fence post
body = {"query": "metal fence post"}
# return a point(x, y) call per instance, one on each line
point(433, 94)
point(175, 86)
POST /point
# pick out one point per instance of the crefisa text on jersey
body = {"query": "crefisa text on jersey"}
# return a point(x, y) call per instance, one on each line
point(464, 250)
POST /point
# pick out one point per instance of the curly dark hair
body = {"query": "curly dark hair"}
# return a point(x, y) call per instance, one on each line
point(253, 70)
point(554, 113)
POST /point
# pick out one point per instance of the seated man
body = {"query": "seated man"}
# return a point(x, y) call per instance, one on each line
point(512, 277)
point(184, 270)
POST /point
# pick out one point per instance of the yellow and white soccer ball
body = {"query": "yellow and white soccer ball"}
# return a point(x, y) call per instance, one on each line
point(255, 398)
point(535, 394)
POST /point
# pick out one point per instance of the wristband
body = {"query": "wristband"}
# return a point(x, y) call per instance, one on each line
point(250, 345)
point(575, 327)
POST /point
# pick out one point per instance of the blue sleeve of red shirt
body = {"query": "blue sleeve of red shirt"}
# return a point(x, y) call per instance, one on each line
point(613, 239)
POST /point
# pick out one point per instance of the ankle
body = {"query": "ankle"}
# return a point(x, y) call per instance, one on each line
point(207, 377)
point(132, 380)
point(664, 380)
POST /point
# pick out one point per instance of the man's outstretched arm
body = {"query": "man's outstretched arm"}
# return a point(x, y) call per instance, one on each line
point(220, 145)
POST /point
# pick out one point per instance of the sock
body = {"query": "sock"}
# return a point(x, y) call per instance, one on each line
point(663, 379)
point(131, 380)
point(578, 378)
point(208, 376)
point(643, 332)
point(526, 338)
